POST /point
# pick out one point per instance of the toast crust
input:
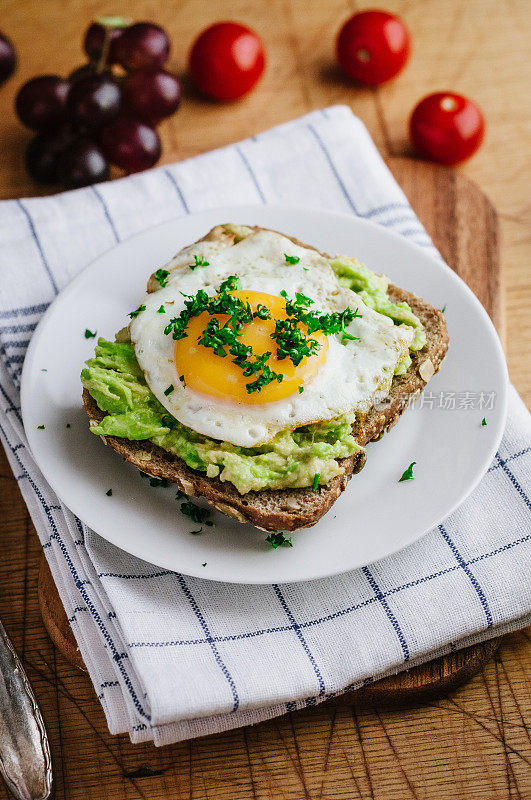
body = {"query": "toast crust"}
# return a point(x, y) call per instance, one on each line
point(291, 509)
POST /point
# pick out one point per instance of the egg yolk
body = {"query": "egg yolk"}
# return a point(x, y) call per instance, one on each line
point(217, 376)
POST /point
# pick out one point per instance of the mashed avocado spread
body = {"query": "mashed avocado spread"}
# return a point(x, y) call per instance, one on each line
point(291, 459)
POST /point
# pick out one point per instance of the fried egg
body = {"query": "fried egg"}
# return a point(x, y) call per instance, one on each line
point(208, 393)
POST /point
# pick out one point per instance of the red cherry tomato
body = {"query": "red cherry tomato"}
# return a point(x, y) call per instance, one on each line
point(373, 46)
point(227, 60)
point(446, 127)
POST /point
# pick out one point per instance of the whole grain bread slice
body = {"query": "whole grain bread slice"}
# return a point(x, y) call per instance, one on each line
point(291, 509)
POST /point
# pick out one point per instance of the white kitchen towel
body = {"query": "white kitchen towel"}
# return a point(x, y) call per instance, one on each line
point(173, 657)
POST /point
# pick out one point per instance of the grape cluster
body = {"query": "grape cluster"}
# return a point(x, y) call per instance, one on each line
point(106, 111)
point(8, 58)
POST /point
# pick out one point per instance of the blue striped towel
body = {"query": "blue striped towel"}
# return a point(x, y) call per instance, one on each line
point(173, 657)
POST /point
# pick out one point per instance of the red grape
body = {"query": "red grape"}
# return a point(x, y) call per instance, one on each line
point(81, 72)
point(130, 144)
point(43, 152)
point(93, 101)
point(82, 164)
point(41, 101)
point(151, 94)
point(141, 45)
point(95, 37)
point(8, 58)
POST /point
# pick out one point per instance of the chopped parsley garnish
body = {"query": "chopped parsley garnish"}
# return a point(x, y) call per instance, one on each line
point(279, 539)
point(199, 261)
point(292, 342)
point(40, 427)
point(315, 483)
point(161, 276)
point(109, 493)
point(223, 338)
point(68, 425)
point(169, 390)
point(134, 314)
point(204, 564)
point(182, 379)
point(196, 514)
point(407, 475)
point(194, 533)
point(291, 259)
point(44, 369)
point(161, 310)
point(443, 309)
point(266, 376)
point(164, 482)
point(327, 323)
point(232, 284)
point(301, 389)
point(303, 300)
point(155, 481)
point(483, 421)
point(194, 306)
point(89, 334)
point(262, 312)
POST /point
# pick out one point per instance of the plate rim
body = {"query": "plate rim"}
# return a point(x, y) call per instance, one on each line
point(249, 208)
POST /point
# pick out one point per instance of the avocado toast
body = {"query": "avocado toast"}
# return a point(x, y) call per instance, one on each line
point(291, 479)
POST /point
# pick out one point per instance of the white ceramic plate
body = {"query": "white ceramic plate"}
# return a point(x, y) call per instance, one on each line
point(374, 517)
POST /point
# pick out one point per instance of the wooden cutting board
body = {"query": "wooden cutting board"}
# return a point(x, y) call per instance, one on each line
point(463, 224)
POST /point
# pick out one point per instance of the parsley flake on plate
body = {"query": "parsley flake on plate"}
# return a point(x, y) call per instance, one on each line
point(483, 422)
point(40, 427)
point(164, 482)
point(196, 514)
point(183, 380)
point(169, 390)
point(68, 425)
point(443, 309)
point(135, 313)
point(90, 334)
point(204, 564)
point(161, 310)
point(199, 261)
point(301, 389)
point(279, 539)
point(194, 533)
point(291, 259)
point(161, 276)
point(109, 493)
point(407, 475)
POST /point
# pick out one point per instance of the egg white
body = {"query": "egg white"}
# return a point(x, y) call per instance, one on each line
point(352, 377)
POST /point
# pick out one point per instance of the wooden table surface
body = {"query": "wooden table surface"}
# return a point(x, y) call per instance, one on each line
point(476, 743)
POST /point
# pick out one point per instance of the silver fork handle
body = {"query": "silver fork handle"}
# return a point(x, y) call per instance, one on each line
point(25, 762)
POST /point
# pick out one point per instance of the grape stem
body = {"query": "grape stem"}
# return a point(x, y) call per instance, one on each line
point(102, 61)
